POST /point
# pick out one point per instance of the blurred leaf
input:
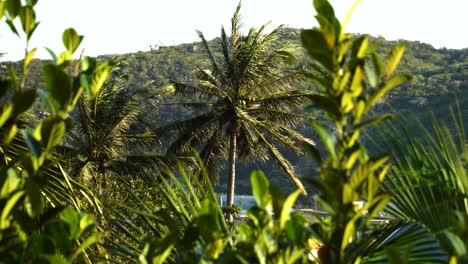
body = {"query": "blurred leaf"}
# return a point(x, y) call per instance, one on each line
point(317, 47)
point(58, 82)
point(24, 100)
point(287, 207)
point(71, 39)
point(327, 138)
point(260, 188)
point(392, 83)
point(10, 204)
point(13, 7)
point(33, 144)
point(393, 58)
point(6, 112)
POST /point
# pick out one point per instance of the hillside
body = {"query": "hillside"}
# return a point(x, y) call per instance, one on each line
point(440, 75)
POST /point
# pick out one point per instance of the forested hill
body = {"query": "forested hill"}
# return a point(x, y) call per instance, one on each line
point(438, 73)
point(439, 76)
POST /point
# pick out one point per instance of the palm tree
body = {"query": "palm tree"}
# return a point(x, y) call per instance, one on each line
point(247, 104)
point(112, 134)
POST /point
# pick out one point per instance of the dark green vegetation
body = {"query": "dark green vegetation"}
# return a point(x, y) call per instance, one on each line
point(95, 146)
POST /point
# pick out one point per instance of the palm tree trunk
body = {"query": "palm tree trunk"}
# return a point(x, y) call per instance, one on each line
point(232, 171)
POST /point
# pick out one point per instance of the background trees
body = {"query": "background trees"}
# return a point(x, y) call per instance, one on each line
point(249, 98)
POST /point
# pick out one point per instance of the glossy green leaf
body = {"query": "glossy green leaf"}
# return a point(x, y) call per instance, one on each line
point(260, 188)
point(71, 39)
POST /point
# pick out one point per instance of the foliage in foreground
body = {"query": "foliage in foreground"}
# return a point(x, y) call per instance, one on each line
point(39, 221)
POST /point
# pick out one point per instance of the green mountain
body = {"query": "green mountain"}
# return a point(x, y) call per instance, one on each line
point(440, 76)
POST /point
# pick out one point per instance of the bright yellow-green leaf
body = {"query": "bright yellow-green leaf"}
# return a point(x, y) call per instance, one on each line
point(363, 48)
point(394, 58)
point(9, 134)
point(348, 234)
point(392, 83)
point(287, 206)
point(28, 58)
point(7, 109)
point(260, 188)
point(10, 204)
point(2, 9)
point(356, 85)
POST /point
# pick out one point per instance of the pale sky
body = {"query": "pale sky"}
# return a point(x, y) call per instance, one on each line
point(117, 26)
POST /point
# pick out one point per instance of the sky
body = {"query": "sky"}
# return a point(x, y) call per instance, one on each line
point(118, 26)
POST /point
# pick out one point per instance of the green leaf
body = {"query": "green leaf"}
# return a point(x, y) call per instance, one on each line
point(11, 183)
point(12, 27)
point(23, 101)
point(452, 243)
point(327, 104)
point(327, 138)
point(58, 82)
point(393, 58)
point(28, 58)
point(10, 204)
point(71, 39)
point(31, 2)
point(373, 121)
point(33, 202)
point(287, 206)
point(33, 144)
point(98, 78)
point(52, 54)
point(71, 217)
point(9, 134)
point(324, 8)
point(377, 63)
point(13, 8)
point(7, 110)
point(93, 239)
point(28, 20)
point(392, 83)
point(57, 259)
point(317, 46)
point(53, 129)
point(260, 188)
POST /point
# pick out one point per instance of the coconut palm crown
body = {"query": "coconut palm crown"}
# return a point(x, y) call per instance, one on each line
point(249, 97)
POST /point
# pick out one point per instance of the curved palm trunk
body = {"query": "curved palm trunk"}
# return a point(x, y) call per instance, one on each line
point(232, 171)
